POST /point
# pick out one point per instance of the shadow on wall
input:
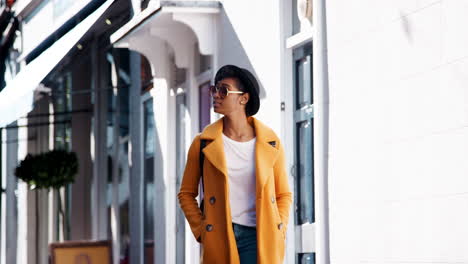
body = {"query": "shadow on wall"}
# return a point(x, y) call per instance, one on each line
point(406, 26)
point(231, 50)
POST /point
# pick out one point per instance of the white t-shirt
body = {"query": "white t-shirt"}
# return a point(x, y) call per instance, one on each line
point(240, 161)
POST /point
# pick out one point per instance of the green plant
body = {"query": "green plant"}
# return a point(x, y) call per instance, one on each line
point(52, 169)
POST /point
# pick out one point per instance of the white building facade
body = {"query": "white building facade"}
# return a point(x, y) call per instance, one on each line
point(185, 42)
point(397, 132)
point(375, 131)
point(124, 85)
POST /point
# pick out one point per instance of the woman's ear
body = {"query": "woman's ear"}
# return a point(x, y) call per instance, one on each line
point(245, 98)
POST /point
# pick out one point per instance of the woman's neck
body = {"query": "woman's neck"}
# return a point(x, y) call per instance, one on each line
point(238, 128)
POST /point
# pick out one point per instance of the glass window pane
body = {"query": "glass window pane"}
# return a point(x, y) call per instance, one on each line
point(306, 258)
point(146, 74)
point(124, 195)
point(148, 181)
point(124, 111)
point(304, 81)
point(305, 172)
point(144, 4)
point(204, 105)
point(149, 128)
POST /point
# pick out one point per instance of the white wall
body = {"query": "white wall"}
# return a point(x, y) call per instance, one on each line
point(398, 131)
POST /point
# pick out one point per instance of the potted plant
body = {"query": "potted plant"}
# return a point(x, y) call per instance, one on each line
point(50, 170)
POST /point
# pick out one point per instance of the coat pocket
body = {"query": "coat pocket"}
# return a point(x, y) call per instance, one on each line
point(202, 232)
point(279, 223)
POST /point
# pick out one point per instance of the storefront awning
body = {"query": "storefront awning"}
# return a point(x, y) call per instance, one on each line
point(179, 23)
point(16, 99)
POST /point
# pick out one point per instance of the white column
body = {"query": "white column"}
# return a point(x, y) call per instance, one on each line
point(154, 49)
point(192, 248)
point(25, 252)
point(321, 106)
point(9, 215)
point(162, 210)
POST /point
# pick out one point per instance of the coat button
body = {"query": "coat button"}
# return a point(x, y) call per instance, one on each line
point(272, 199)
point(280, 226)
point(212, 200)
point(209, 228)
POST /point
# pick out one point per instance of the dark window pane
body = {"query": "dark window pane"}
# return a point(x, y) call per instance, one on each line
point(306, 258)
point(180, 76)
point(149, 190)
point(305, 172)
point(148, 180)
point(149, 128)
point(62, 104)
point(304, 142)
point(205, 105)
point(146, 74)
point(304, 81)
point(124, 92)
point(124, 196)
point(144, 4)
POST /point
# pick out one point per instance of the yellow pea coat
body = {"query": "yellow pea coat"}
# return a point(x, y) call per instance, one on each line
point(273, 196)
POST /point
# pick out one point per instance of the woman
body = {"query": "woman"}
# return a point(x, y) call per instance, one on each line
point(245, 186)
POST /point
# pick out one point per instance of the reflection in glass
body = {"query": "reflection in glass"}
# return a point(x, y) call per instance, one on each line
point(304, 141)
point(305, 172)
point(124, 196)
point(304, 81)
point(306, 258)
point(149, 129)
point(148, 181)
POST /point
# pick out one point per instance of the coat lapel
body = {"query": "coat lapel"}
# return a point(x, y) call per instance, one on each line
point(214, 150)
point(265, 154)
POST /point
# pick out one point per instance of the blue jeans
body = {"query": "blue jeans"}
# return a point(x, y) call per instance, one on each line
point(246, 240)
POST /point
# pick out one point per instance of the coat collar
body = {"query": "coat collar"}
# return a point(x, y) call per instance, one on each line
point(262, 132)
point(265, 154)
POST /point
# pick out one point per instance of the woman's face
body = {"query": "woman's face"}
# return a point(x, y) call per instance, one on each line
point(232, 103)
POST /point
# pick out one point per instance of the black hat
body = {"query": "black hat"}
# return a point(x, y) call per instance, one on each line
point(249, 83)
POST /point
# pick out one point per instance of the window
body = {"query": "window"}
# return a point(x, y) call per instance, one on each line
point(307, 258)
point(146, 75)
point(144, 4)
point(204, 105)
point(304, 136)
point(118, 150)
point(62, 103)
point(148, 184)
point(304, 144)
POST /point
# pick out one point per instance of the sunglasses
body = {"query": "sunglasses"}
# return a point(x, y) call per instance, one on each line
point(222, 90)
